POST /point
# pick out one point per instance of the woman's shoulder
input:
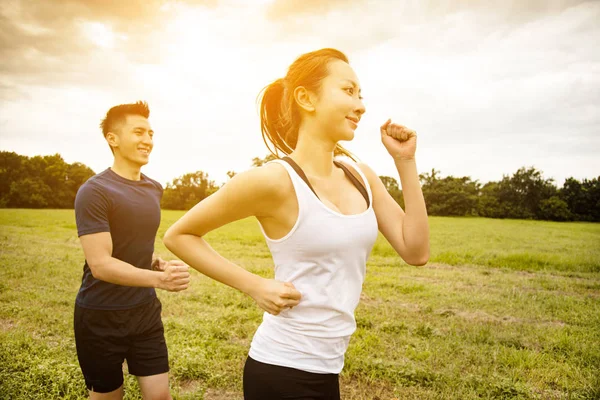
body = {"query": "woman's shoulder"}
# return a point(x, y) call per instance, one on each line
point(367, 171)
point(270, 180)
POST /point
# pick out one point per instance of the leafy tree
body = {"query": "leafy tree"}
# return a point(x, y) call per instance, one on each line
point(449, 195)
point(592, 187)
point(518, 196)
point(40, 181)
point(429, 178)
point(582, 198)
point(555, 209)
point(29, 193)
point(11, 169)
point(391, 185)
point(257, 162)
point(50, 182)
point(187, 190)
point(489, 205)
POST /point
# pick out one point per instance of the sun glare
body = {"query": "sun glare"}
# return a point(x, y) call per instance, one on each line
point(100, 34)
point(193, 38)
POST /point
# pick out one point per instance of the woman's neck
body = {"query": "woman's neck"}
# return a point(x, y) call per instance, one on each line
point(314, 154)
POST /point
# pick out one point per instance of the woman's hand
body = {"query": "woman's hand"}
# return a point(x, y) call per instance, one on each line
point(275, 296)
point(398, 140)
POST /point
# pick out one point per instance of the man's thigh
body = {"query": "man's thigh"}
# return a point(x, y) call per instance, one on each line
point(100, 350)
point(147, 354)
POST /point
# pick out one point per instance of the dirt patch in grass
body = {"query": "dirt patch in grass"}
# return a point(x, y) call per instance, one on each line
point(365, 298)
point(485, 317)
point(218, 394)
point(6, 325)
point(371, 392)
point(442, 266)
point(189, 386)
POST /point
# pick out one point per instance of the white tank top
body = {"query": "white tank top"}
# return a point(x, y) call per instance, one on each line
point(324, 256)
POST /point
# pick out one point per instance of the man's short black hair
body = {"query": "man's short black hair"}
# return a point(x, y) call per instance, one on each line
point(117, 115)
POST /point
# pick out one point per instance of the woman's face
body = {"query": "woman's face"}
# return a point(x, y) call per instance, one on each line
point(339, 105)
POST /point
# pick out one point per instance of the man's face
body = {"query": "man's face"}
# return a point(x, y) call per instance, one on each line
point(133, 140)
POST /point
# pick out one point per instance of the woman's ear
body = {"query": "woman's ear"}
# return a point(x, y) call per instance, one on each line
point(304, 99)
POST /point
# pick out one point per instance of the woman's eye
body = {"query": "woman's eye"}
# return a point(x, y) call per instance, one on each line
point(350, 90)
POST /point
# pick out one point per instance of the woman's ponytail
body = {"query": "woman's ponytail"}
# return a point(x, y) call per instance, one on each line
point(275, 118)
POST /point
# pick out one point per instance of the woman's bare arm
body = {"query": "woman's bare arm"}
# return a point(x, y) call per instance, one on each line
point(256, 192)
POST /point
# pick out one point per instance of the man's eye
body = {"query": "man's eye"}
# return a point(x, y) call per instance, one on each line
point(350, 90)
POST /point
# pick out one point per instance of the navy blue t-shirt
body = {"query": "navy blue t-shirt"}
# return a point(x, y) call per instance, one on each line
point(130, 211)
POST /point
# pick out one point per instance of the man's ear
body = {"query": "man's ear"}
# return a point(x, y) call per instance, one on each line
point(112, 139)
point(304, 98)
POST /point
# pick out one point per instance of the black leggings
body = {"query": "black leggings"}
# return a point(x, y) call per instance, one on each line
point(273, 382)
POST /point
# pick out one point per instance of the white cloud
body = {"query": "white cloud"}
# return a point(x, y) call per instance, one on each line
point(488, 88)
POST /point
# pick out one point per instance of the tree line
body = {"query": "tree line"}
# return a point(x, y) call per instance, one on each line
point(50, 182)
point(40, 181)
point(526, 194)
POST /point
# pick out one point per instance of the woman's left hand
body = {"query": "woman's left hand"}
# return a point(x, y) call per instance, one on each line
point(399, 141)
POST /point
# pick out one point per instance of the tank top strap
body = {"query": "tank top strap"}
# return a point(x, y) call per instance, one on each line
point(358, 184)
point(300, 173)
point(365, 185)
point(301, 193)
point(364, 191)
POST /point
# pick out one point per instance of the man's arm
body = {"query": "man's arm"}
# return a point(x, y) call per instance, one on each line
point(97, 248)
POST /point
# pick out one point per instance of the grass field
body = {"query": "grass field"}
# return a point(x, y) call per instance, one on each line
point(504, 310)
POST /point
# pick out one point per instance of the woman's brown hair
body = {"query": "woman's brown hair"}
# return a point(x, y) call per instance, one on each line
point(279, 114)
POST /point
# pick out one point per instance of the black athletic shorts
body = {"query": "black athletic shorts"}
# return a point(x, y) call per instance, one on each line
point(273, 382)
point(104, 338)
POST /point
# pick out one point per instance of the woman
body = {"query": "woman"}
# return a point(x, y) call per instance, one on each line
point(320, 219)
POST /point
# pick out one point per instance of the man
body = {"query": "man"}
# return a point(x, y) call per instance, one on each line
point(117, 313)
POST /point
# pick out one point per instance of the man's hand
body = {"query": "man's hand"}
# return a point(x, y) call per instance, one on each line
point(175, 277)
point(158, 264)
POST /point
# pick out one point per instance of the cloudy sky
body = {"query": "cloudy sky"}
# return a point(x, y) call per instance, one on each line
point(488, 86)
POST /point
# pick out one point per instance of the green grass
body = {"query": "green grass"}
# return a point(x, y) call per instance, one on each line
point(505, 309)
